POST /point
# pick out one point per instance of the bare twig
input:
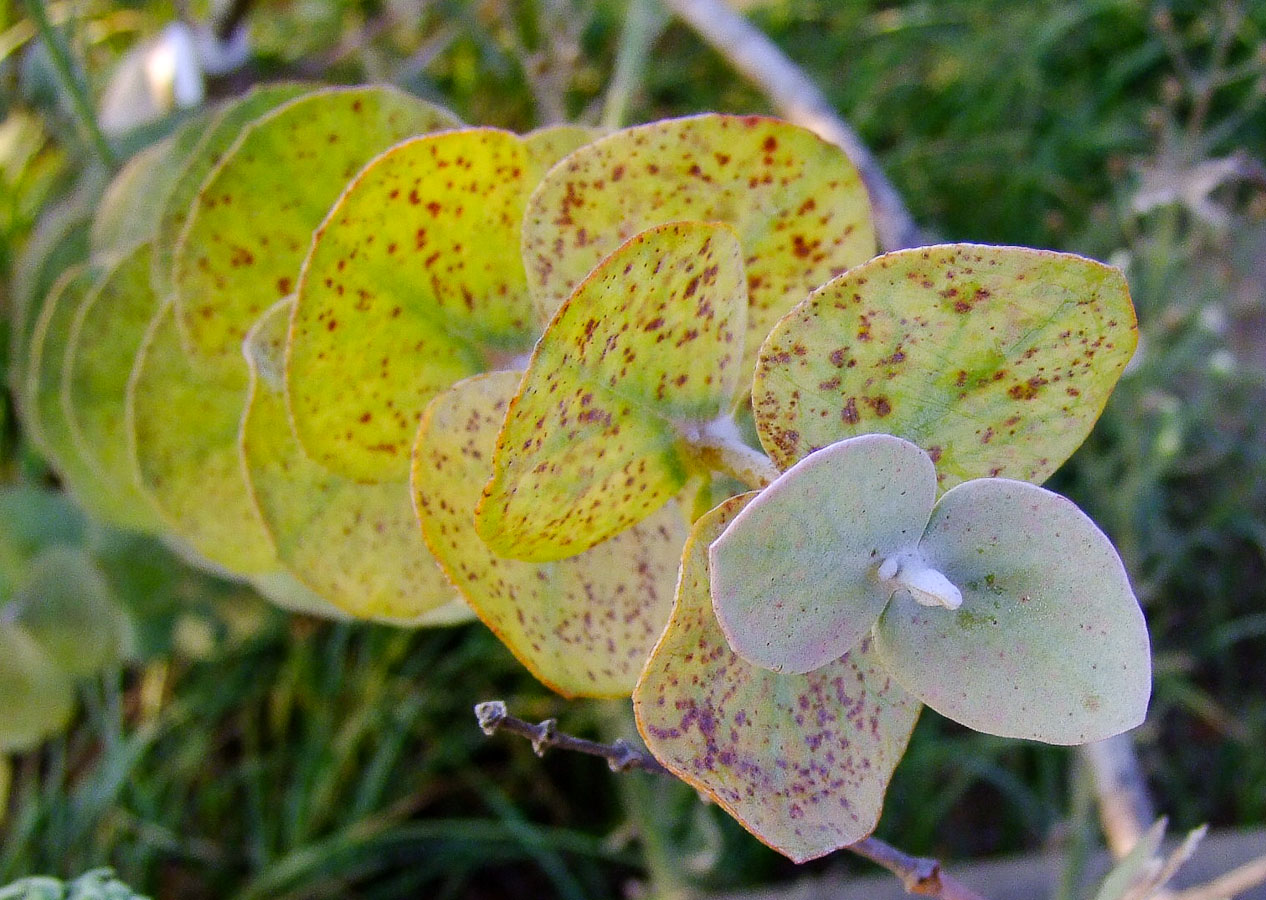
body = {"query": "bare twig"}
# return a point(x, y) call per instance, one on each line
point(1234, 882)
point(919, 875)
point(799, 100)
point(620, 756)
point(1125, 810)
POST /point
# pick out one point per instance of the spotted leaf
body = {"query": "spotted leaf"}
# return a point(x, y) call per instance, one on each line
point(794, 576)
point(36, 697)
point(799, 207)
point(182, 430)
point(247, 234)
point(357, 545)
point(214, 139)
point(647, 347)
point(802, 761)
point(45, 417)
point(105, 336)
point(995, 360)
point(413, 282)
point(1049, 643)
point(585, 625)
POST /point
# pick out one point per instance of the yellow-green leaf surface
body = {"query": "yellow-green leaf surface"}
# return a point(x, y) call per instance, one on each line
point(183, 428)
point(284, 590)
point(129, 210)
point(550, 143)
point(36, 697)
point(802, 761)
point(45, 415)
point(800, 209)
point(994, 360)
point(66, 605)
point(59, 241)
point(105, 336)
point(1049, 643)
point(794, 578)
point(647, 347)
point(413, 281)
point(219, 132)
point(247, 235)
point(356, 545)
point(584, 625)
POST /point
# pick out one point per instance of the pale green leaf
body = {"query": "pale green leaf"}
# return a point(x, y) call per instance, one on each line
point(129, 210)
point(798, 205)
point(1049, 643)
point(794, 576)
point(183, 430)
point(44, 416)
point(67, 606)
point(802, 761)
point(105, 336)
point(246, 237)
point(995, 360)
point(36, 697)
point(646, 350)
point(584, 626)
point(356, 545)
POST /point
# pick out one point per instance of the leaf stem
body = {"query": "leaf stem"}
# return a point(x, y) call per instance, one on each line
point(919, 875)
point(73, 87)
point(719, 447)
point(621, 755)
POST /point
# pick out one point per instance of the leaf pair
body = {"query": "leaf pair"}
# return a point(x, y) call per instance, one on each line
point(802, 761)
point(1001, 605)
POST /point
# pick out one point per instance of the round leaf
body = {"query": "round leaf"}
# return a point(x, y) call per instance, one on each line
point(128, 212)
point(253, 221)
point(183, 427)
point(647, 346)
point(995, 360)
point(45, 416)
point(36, 697)
point(105, 336)
point(66, 605)
point(802, 761)
point(356, 545)
point(794, 577)
point(799, 207)
point(584, 626)
point(1049, 644)
point(218, 134)
point(412, 281)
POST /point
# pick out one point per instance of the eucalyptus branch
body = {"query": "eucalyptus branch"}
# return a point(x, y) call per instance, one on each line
point(1124, 807)
point(919, 875)
point(799, 100)
point(70, 84)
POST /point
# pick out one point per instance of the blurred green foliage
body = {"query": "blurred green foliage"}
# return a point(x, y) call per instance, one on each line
point(241, 752)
